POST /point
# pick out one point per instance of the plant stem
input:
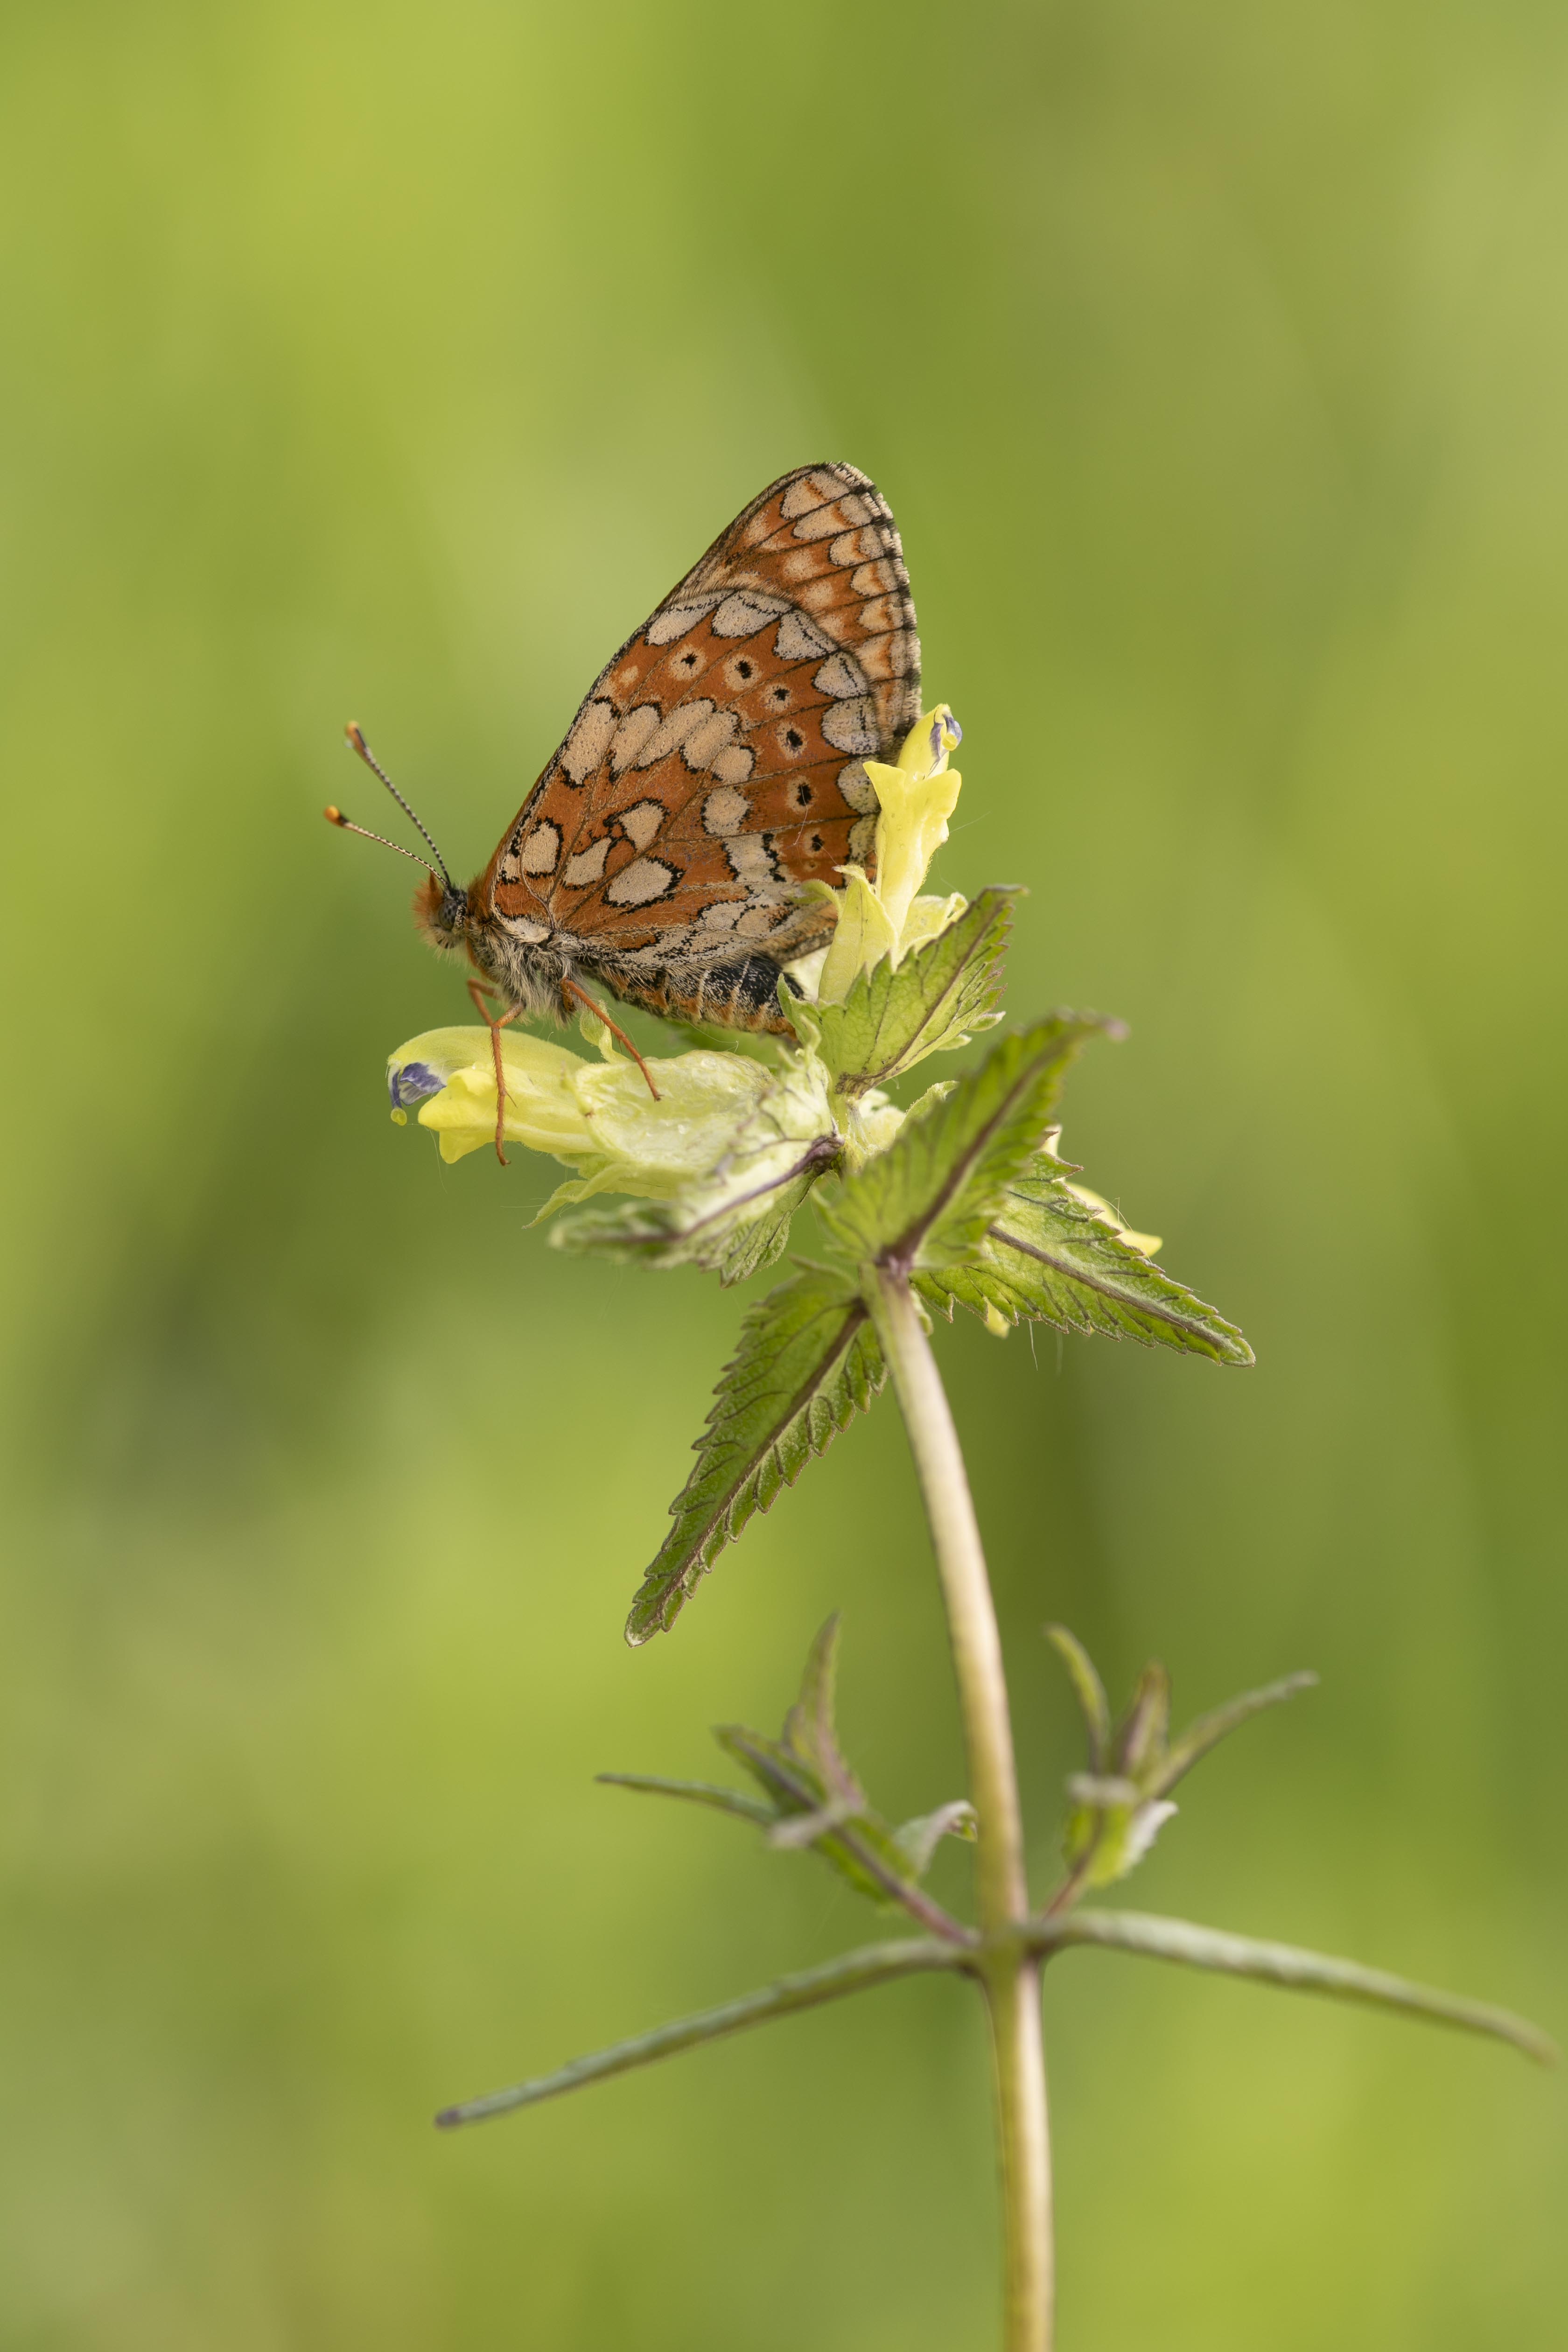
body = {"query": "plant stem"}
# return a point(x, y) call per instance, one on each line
point(1009, 1972)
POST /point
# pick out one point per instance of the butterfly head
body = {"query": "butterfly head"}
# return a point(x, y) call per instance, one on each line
point(441, 914)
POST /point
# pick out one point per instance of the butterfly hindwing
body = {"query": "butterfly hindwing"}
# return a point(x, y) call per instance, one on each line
point(717, 764)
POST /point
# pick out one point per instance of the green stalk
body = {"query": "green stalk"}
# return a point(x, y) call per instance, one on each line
point(1007, 1969)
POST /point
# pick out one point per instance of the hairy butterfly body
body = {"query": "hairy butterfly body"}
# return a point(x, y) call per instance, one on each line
point(714, 769)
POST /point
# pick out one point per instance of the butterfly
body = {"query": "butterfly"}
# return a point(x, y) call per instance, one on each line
point(714, 771)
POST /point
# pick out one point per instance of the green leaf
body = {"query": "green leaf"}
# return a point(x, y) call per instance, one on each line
point(836, 1822)
point(1211, 1728)
point(941, 992)
point(811, 1797)
point(874, 1964)
point(807, 1362)
point(917, 1840)
point(696, 1792)
point(1141, 1735)
point(809, 1726)
point(1048, 1258)
point(1090, 1691)
point(929, 1199)
point(738, 1234)
point(1285, 1964)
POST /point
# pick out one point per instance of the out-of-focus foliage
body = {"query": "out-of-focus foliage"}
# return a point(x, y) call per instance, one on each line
point(388, 363)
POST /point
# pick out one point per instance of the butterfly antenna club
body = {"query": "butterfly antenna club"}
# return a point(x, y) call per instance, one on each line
point(335, 815)
point(356, 742)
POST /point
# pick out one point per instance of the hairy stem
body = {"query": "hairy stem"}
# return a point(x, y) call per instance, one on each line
point(1009, 1971)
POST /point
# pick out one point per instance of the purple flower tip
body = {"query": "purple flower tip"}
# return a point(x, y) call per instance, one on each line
point(412, 1084)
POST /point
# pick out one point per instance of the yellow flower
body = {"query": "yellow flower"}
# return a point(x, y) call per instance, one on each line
point(723, 1133)
point(577, 1110)
point(887, 917)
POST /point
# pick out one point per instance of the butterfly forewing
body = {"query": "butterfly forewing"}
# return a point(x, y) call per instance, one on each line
point(717, 764)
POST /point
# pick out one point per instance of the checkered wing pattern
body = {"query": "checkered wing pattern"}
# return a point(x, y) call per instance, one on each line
point(718, 763)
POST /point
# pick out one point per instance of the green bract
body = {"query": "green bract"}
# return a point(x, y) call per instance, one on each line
point(1121, 1803)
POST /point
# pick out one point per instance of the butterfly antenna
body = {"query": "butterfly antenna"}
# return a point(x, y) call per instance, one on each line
point(357, 743)
point(335, 815)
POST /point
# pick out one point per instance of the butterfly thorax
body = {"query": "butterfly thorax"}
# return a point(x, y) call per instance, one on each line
point(529, 971)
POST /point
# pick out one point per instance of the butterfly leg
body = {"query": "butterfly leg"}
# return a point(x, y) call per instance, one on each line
point(495, 1022)
point(570, 988)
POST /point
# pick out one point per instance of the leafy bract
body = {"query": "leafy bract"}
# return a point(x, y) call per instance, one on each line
point(736, 1229)
point(1048, 1258)
point(811, 1797)
point(807, 1362)
point(936, 997)
point(929, 1199)
point(733, 1211)
point(1120, 1804)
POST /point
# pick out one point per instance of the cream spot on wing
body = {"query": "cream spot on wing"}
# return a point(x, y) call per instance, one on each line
point(818, 594)
point(755, 923)
point(882, 613)
point(734, 765)
point(752, 859)
point(722, 917)
point(725, 811)
point(801, 495)
point(802, 565)
point(852, 726)
point(746, 612)
point(587, 866)
point(640, 884)
point(541, 848)
point(632, 734)
point(862, 841)
point(874, 580)
point(798, 639)
point(857, 788)
point(531, 934)
point(642, 821)
point(839, 677)
point(673, 620)
point(705, 743)
point(825, 523)
point(862, 546)
point(585, 748)
point(672, 732)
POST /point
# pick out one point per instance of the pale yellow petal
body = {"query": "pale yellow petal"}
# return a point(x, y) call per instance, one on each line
point(864, 936)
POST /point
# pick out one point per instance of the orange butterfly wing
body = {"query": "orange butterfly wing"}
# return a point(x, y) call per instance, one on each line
point(716, 763)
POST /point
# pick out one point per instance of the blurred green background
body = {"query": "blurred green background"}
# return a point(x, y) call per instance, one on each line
point(389, 361)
